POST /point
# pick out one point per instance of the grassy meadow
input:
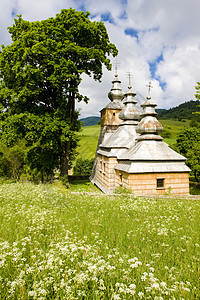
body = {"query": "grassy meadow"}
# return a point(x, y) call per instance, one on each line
point(89, 136)
point(67, 244)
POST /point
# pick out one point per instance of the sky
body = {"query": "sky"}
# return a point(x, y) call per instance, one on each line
point(157, 40)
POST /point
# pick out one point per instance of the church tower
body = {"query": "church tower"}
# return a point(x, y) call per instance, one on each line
point(117, 143)
point(110, 116)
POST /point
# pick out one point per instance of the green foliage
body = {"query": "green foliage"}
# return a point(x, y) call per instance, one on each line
point(197, 87)
point(5, 168)
point(193, 155)
point(40, 73)
point(12, 160)
point(194, 123)
point(194, 188)
point(187, 138)
point(188, 143)
point(123, 190)
point(166, 134)
point(83, 166)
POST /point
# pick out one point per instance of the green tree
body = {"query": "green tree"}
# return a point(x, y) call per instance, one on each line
point(194, 123)
point(188, 144)
point(197, 87)
point(12, 160)
point(197, 96)
point(193, 155)
point(83, 166)
point(40, 73)
point(186, 139)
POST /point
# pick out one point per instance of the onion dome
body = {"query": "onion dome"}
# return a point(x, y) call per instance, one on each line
point(149, 127)
point(116, 93)
point(130, 111)
point(125, 136)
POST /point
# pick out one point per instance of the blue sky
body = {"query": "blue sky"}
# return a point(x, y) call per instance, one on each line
point(158, 40)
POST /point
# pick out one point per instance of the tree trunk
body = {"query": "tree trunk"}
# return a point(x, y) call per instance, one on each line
point(64, 162)
point(42, 177)
point(64, 159)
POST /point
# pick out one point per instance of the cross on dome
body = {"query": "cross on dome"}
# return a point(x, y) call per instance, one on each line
point(149, 90)
point(129, 78)
point(116, 64)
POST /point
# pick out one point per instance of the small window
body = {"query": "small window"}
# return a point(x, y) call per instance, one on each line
point(114, 114)
point(121, 179)
point(160, 183)
point(100, 165)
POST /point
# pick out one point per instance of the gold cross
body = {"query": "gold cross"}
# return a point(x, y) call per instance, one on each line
point(149, 89)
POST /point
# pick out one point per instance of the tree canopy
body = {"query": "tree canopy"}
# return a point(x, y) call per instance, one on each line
point(188, 144)
point(40, 73)
point(197, 87)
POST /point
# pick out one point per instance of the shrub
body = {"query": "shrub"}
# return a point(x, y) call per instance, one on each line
point(166, 134)
point(83, 166)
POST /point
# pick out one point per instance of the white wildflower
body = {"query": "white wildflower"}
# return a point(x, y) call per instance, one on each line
point(163, 285)
point(116, 297)
point(32, 294)
point(156, 286)
point(132, 286)
point(140, 295)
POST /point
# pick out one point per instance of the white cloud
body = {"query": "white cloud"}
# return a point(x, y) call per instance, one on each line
point(6, 19)
point(115, 7)
point(180, 71)
point(166, 29)
point(41, 9)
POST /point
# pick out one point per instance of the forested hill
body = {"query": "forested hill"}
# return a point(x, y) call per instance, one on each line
point(89, 121)
point(183, 111)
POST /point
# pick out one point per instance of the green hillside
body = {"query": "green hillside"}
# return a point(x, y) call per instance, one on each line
point(89, 121)
point(183, 111)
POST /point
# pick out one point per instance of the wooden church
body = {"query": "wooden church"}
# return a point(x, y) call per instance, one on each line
point(130, 151)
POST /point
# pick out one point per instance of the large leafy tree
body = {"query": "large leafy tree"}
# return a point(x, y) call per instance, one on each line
point(188, 144)
point(40, 73)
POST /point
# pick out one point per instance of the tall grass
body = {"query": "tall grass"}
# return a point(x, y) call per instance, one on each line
point(56, 244)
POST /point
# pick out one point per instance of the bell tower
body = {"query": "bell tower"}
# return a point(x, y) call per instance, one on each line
point(110, 116)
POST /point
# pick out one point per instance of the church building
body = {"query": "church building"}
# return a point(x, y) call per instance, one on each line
point(130, 151)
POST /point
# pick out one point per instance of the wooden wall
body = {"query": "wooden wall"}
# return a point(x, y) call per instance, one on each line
point(174, 183)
